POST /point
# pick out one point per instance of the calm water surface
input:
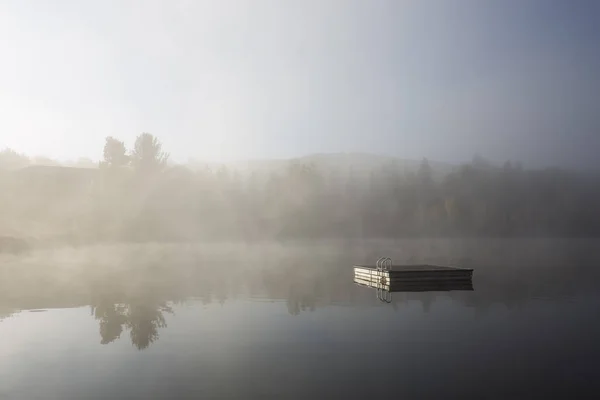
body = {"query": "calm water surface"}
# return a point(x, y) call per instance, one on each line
point(299, 328)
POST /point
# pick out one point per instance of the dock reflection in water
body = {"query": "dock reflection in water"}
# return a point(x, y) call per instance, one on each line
point(384, 290)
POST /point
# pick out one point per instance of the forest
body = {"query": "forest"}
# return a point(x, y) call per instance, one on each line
point(138, 195)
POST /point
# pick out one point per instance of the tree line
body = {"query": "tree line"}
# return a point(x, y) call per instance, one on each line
point(136, 195)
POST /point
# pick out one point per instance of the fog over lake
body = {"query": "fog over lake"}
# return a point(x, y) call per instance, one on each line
point(286, 320)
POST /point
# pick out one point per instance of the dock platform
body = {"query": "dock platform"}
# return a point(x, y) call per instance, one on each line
point(403, 275)
point(412, 273)
point(387, 278)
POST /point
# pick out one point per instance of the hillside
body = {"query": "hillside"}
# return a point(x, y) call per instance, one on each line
point(358, 164)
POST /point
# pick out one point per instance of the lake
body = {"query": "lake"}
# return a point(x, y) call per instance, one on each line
point(285, 320)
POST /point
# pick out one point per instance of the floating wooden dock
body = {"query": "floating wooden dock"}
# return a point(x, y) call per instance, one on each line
point(418, 272)
point(387, 278)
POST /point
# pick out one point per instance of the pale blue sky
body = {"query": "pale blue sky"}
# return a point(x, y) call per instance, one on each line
point(443, 79)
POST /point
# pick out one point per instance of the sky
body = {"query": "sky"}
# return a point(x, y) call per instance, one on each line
point(228, 80)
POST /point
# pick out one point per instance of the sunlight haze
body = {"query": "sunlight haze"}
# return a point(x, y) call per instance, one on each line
point(223, 80)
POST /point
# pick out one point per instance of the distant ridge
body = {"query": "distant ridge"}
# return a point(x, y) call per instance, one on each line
point(356, 163)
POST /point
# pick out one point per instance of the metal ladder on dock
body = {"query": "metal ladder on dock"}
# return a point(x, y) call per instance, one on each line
point(383, 264)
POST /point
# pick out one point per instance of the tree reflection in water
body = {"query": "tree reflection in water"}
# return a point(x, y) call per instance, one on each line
point(142, 318)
